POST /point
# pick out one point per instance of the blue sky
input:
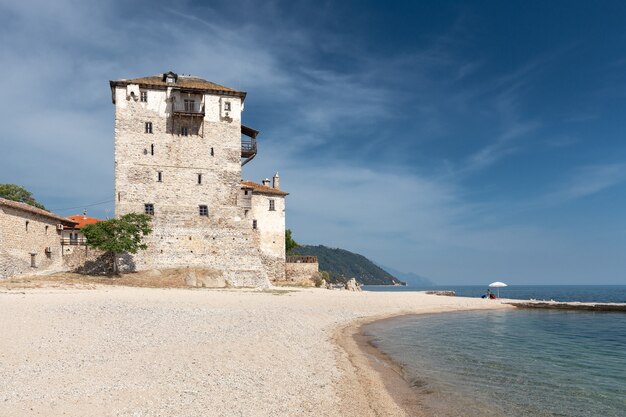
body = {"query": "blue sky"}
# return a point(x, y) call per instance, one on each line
point(464, 141)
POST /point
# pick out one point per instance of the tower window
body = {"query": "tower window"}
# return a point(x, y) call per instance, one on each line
point(254, 224)
point(272, 205)
point(149, 209)
point(184, 131)
point(212, 152)
point(160, 176)
point(148, 127)
point(203, 210)
point(27, 225)
point(144, 96)
point(152, 149)
point(199, 179)
point(227, 106)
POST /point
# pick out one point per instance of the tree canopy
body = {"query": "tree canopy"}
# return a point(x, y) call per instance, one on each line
point(19, 194)
point(290, 244)
point(119, 235)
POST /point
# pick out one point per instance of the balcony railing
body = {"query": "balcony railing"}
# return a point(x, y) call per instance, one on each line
point(248, 147)
point(73, 242)
point(189, 107)
point(302, 259)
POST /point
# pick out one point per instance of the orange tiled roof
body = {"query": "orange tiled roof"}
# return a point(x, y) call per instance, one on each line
point(262, 189)
point(34, 210)
point(182, 81)
point(81, 220)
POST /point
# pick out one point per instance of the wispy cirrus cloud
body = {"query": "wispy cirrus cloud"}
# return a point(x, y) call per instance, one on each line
point(590, 180)
point(505, 144)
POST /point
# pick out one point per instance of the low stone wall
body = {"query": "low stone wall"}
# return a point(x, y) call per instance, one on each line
point(301, 273)
point(85, 260)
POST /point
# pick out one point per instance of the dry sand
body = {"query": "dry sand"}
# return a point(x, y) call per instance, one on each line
point(121, 351)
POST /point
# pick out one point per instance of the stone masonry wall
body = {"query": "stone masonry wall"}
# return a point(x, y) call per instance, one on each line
point(274, 267)
point(300, 272)
point(181, 236)
point(17, 242)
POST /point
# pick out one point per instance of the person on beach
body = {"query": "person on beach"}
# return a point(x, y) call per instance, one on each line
point(489, 294)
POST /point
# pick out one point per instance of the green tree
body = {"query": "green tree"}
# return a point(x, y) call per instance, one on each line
point(289, 242)
point(115, 236)
point(20, 194)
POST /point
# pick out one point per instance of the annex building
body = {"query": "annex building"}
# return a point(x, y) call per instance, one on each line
point(30, 239)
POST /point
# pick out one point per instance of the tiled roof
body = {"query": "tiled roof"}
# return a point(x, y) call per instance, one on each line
point(34, 210)
point(262, 189)
point(182, 81)
point(81, 220)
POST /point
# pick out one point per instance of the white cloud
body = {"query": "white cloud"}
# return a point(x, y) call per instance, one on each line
point(591, 180)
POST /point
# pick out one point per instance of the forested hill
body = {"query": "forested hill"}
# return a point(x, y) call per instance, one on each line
point(342, 264)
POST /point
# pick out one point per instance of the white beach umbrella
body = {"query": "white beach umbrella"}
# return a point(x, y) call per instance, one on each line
point(497, 285)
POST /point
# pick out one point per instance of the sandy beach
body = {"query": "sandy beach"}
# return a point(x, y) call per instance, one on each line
point(123, 351)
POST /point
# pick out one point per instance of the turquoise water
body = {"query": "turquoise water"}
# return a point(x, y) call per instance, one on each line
point(511, 363)
point(596, 293)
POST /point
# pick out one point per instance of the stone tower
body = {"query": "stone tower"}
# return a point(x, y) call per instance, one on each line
point(179, 150)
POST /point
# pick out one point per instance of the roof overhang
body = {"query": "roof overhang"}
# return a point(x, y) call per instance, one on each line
point(35, 210)
point(124, 83)
point(248, 131)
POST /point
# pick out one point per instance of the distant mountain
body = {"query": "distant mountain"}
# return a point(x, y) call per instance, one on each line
point(342, 265)
point(411, 279)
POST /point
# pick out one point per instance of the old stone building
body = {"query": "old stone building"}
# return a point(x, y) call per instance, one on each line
point(179, 150)
point(30, 239)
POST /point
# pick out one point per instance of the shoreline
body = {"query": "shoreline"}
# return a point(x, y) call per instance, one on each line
point(368, 371)
point(386, 390)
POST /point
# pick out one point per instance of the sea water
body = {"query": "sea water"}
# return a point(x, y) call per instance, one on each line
point(511, 362)
point(591, 293)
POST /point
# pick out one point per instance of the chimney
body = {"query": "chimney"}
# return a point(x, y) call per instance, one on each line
point(266, 182)
point(276, 181)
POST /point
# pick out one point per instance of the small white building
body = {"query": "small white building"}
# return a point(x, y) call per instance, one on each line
point(72, 237)
point(264, 210)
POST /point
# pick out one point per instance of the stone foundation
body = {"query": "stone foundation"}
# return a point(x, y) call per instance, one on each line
point(274, 267)
point(301, 273)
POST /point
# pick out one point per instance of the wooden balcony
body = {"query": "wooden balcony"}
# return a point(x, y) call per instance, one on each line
point(248, 144)
point(66, 241)
point(188, 108)
point(248, 147)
